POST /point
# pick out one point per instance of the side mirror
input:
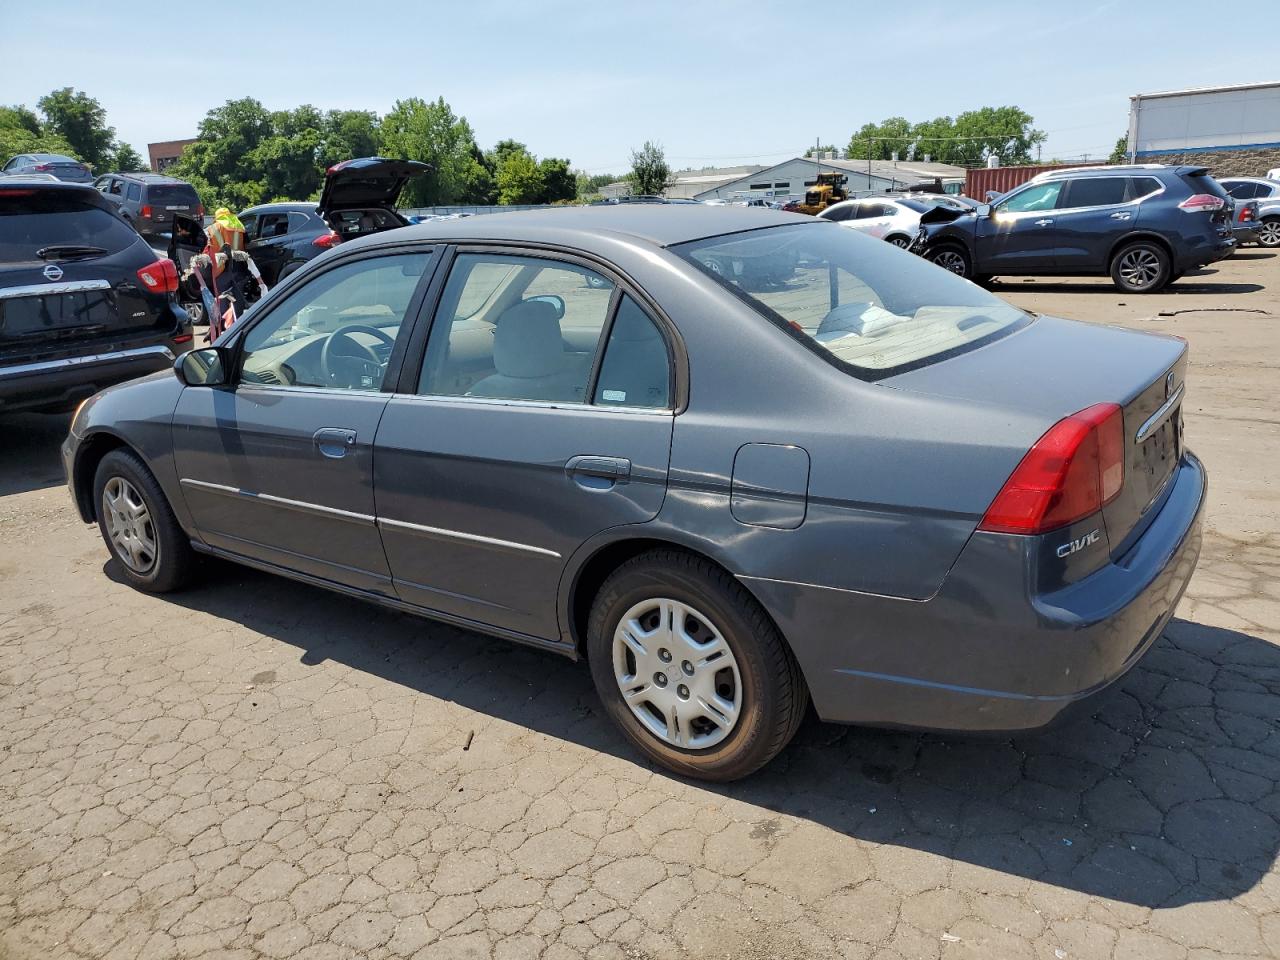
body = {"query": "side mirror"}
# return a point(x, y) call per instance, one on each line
point(209, 367)
point(984, 210)
point(554, 299)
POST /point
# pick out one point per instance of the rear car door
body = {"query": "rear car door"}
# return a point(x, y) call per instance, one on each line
point(269, 245)
point(277, 466)
point(1092, 217)
point(1018, 236)
point(542, 416)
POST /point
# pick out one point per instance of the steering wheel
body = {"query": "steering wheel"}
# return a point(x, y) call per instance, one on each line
point(356, 371)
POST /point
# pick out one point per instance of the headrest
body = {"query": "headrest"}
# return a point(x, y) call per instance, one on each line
point(527, 341)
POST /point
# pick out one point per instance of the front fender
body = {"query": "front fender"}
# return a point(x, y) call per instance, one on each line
point(139, 415)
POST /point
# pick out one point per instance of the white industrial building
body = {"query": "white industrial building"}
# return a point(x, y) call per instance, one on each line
point(1204, 120)
point(684, 184)
point(792, 178)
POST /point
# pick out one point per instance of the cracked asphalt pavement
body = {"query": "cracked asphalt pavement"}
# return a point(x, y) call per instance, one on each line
point(256, 768)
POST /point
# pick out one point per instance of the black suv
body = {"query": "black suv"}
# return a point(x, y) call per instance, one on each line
point(149, 200)
point(1144, 225)
point(84, 303)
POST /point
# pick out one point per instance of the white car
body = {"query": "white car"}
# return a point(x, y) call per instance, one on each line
point(896, 219)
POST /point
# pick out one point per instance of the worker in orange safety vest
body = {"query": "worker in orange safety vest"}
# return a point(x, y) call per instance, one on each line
point(225, 231)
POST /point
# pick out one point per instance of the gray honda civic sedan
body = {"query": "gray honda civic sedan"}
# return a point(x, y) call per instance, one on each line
point(741, 461)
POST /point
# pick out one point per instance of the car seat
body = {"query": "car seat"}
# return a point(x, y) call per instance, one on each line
point(529, 357)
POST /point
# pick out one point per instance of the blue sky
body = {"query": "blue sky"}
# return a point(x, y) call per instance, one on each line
point(716, 83)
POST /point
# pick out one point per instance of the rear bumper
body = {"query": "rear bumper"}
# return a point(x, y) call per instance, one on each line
point(1245, 233)
point(983, 655)
point(52, 383)
point(1192, 255)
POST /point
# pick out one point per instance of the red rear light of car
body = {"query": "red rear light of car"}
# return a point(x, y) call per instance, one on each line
point(1246, 213)
point(1202, 203)
point(1074, 470)
point(159, 277)
point(146, 210)
point(15, 193)
point(44, 166)
point(199, 210)
point(326, 240)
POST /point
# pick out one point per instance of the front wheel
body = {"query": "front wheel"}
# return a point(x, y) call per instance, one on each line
point(1141, 267)
point(138, 525)
point(899, 241)
point(952, 257)
point(1269, 232)
point(691, 668)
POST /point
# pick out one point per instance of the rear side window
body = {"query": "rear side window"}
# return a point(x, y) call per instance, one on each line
point(1244, 190)
point(135, 191)
point(1144, 187)
point(1097, 191)
point(838, 214)
point(32, 219)
point(636, 371)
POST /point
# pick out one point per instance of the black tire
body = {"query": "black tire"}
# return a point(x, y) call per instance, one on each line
point(173, 562)
point(773, 695)
point(1269, 232)
point(289, 269)
point(899, 240)
point(1141, 267)
point(953, 257)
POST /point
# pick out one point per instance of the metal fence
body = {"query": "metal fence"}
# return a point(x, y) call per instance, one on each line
point(469, 208)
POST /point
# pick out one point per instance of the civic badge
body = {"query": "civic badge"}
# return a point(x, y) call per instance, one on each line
point(53, 272)
point(1168, 385)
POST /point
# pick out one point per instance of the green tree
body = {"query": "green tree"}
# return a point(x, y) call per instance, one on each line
point(879, 141)
point(430, 132)
point(218, 164)
point(82, 122)
point(1121, 152)
point(22, 132)
point(1005, 132)
point(518, 177)
point(558, 182)
point(933, 139)
point(649, 170)
point(589, 184)
point(348, 134)
point(125, 159)
point(822, 149)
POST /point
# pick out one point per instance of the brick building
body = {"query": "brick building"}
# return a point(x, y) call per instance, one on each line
point(165, 153)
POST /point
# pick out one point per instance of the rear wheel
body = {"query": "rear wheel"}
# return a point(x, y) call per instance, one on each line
point(691, 668)
point(138, 525)
point(953, 257)
point(1269, 232)
point(899, 240)
point(1141, 267)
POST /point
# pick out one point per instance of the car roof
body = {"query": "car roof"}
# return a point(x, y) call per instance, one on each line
point(146, 177)
point(659, 224)
point(1265, 180)
point(300, 206)
point(49, 156)
point(37, 182)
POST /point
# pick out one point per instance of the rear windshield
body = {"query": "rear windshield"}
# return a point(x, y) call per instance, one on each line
point(861, 303)
point(179, 193)
point(32, 219)
point(1200, 182)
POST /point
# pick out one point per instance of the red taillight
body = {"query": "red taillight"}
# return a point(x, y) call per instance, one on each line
point(44, 166)
point(326, 240)
point(146, 210)
point(6, 192)
point(1202, 203)
point(1074, 470)
point(199, 210)
point(159, 277)
point(182, 338)
point(1246, 213)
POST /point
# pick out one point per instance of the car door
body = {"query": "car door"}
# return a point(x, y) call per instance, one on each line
point(1017, 236)
point(873, 218)
point(277, 466)
point(1093, 215)
point(541, 416)
point(269, 245)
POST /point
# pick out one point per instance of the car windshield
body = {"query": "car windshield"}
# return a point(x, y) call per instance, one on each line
point(860, 302)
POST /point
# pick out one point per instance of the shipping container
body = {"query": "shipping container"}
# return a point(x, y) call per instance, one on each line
point(1003, 179)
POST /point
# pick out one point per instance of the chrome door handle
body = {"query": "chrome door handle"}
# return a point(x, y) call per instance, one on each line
point(1043, 223)
point(1121, 216)
point(334, 442)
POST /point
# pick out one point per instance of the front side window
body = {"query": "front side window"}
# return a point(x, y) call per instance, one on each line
point(273, 225)
point(1040, 196)
point(518, 328)
point(117, 187)
point(864, 305)
point(337, 330)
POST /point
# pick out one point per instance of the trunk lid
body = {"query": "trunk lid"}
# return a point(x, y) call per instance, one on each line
point(1055, 368)
point(68, 272)
point(366, 182)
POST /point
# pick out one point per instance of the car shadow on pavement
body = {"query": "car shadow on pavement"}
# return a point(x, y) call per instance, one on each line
point(1188, 284)
point(31, 451)
point(1167, 795)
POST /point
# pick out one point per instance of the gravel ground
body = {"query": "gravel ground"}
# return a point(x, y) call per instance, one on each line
point(258, 768)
